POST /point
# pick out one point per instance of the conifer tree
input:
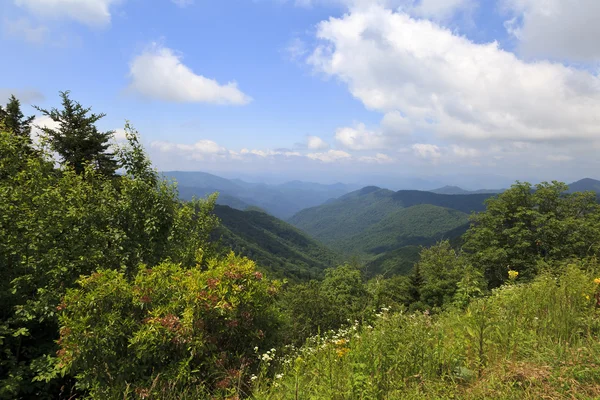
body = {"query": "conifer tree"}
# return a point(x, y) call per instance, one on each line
point(77, 139)
point(14, 119)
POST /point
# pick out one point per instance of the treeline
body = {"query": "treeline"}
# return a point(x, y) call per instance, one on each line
point(111, 287)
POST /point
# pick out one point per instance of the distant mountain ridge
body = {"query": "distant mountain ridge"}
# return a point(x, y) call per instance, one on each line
point(582, 185)
point(585, 185)
point(282, 201)
point(458, 190)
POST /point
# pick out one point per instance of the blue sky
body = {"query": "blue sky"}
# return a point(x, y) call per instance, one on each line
point(477, 93)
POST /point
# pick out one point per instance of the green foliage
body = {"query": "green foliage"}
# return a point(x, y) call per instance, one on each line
point(277, 247)
point(530, 340)
point(377, 223)
point(442, 271)
point(397, 262)
point(56, 225)
point(170, 327)
point(15, 121)
point(314, 307)
point(77, 140)
point(526, 225)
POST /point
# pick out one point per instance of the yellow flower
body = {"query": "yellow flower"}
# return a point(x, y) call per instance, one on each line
point(341, 342)
point(342, 352)
point(597, 281)
point(513, 274)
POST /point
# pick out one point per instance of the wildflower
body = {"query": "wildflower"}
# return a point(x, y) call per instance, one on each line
point(253, 377)
point(278, 376)
point(342, 352)
point(512, 275)
point(256, 349)
point(597, 281)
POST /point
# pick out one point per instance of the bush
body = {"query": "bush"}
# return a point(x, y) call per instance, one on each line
point(167, 330)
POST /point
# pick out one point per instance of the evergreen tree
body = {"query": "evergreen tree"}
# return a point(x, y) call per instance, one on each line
point(14, 119)
point(77, 140)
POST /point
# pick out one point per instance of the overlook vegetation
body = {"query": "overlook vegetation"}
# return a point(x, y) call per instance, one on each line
point(112, 287)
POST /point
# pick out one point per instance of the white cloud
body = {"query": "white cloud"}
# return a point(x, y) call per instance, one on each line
point(379, 158)
point(359, 138)
point(316, 143)
point(119, 135)
point(89, 12)
point(330, 156)
point(560, 29)
point(426, 151)
point(24, 29)
point(158, 73)
point(464, 152)
point(270, 153)
point(39, 122)
point(444, 84)
point(198, 151)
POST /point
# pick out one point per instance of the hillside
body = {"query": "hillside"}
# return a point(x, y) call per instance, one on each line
point(417, 225)
point(584, 185)
point(458, 190)
point(282, 200)
point(275, 245)
point(358, 213)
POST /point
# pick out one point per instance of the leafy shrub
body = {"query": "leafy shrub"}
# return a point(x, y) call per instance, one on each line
point(168, 329)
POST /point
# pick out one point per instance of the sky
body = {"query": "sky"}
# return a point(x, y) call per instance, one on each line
point(390, 92)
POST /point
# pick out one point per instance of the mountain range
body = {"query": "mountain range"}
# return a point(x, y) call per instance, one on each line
point(282, 201)
point(329, 224)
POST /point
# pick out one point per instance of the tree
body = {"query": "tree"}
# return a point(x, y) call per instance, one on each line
point(77, 139)
point(56, 226)
point(526, 225)
point(14, 119)
point(440, 268)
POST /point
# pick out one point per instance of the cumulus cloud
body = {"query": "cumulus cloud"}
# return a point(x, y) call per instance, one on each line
point(427, 151)
point(119, 135)
point(89, 12)
point(330, 156)
point(316, 143)
point(446, 85)
point(557, 29)
point(359, 138)
point(197, 151)
point(158, 73)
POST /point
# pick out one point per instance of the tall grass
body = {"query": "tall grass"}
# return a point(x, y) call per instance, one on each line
point(530, 340)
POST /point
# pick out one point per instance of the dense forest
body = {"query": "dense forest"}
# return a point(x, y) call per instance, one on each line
point(113, 287)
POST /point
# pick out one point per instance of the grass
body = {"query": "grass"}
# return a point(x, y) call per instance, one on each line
point(535, 340)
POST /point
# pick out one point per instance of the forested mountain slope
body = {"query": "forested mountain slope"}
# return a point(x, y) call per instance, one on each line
point(278, 247)
point(373, 220)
